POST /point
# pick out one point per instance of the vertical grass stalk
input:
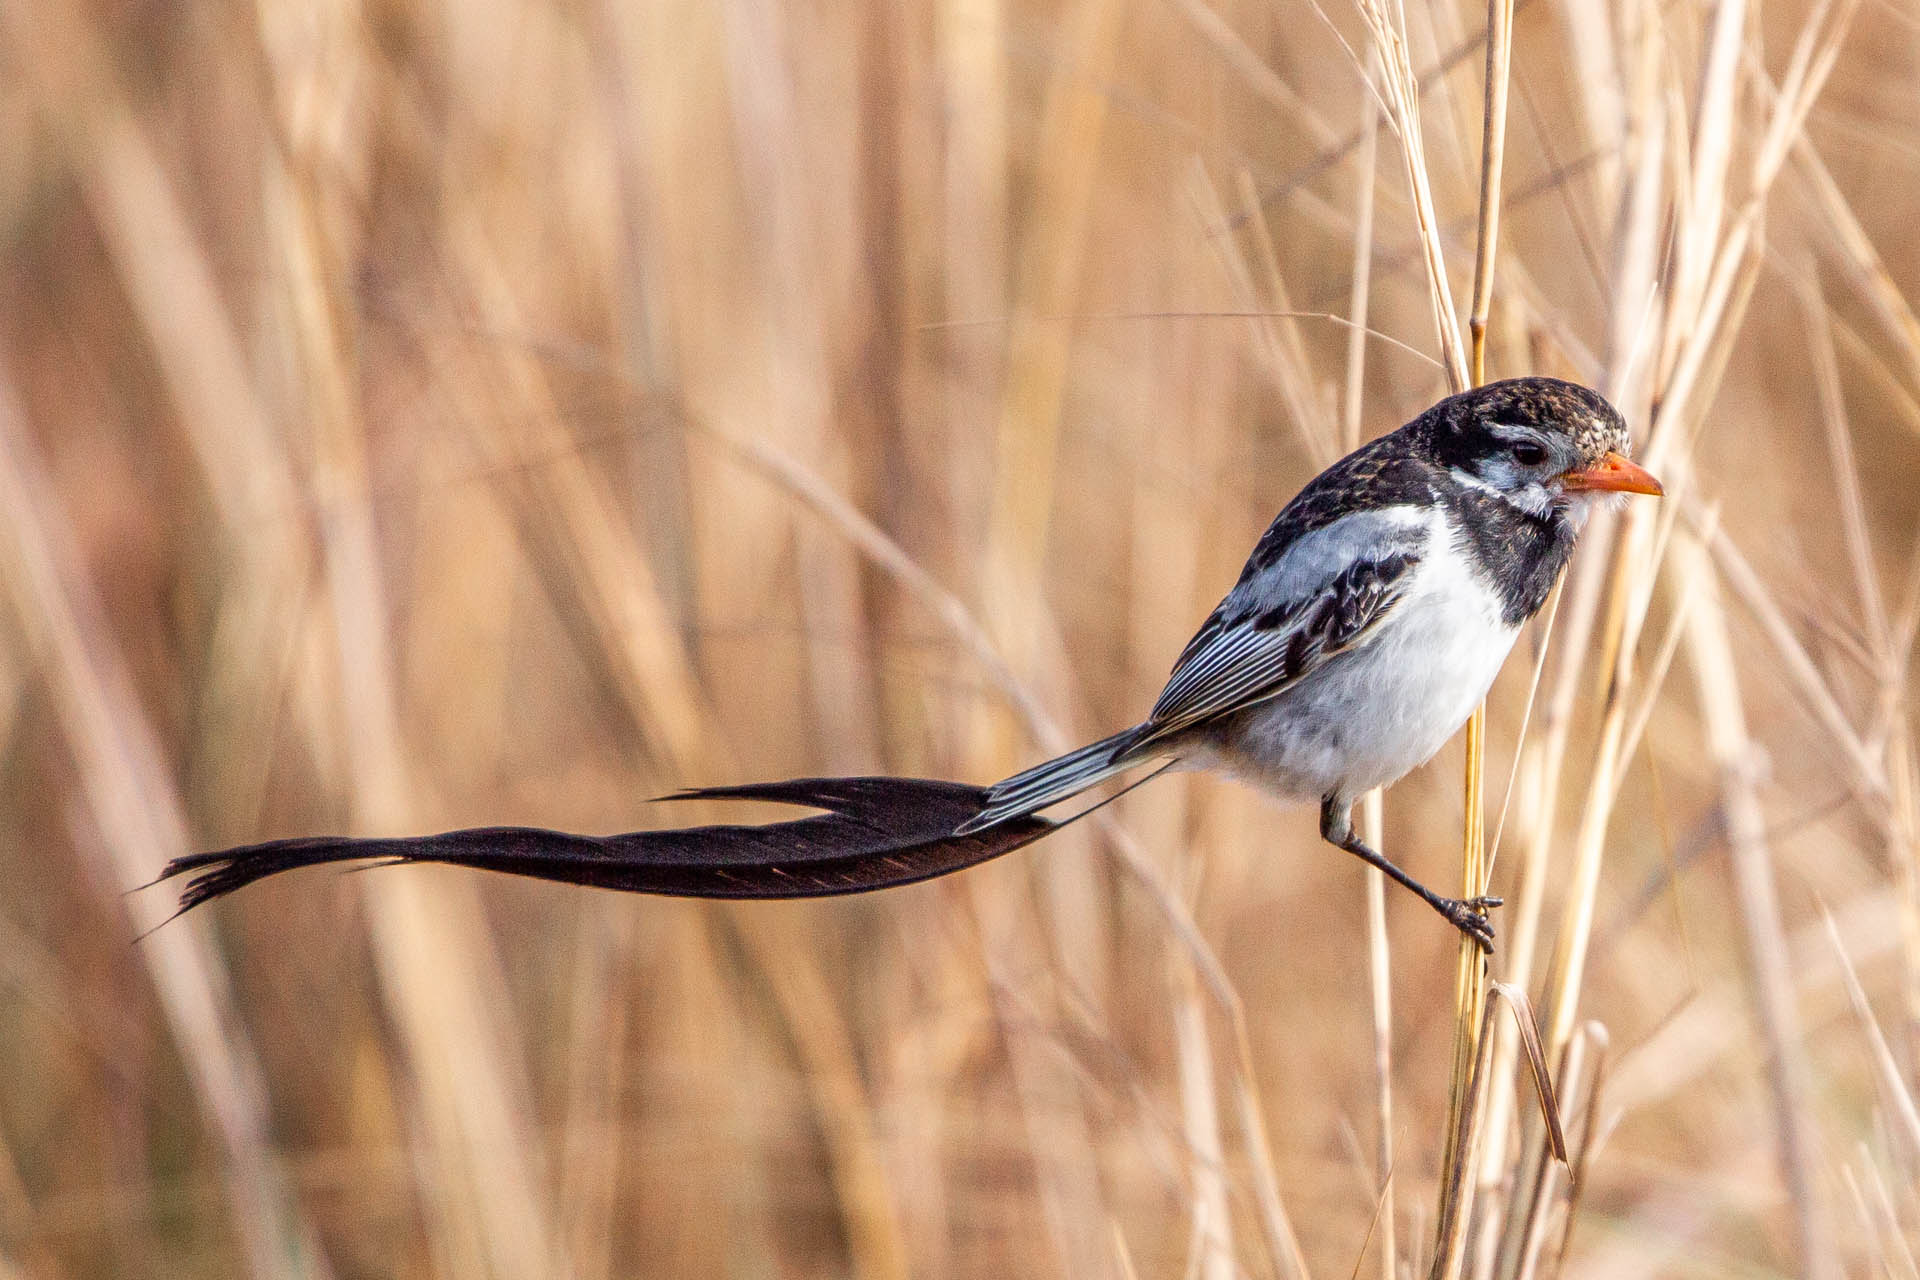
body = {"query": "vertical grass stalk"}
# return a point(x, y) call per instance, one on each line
point(1470, 984)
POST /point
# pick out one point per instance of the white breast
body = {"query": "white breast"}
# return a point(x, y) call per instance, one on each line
point(1379, 710)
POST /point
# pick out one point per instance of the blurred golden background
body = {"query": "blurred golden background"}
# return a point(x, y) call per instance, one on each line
point(417, 416)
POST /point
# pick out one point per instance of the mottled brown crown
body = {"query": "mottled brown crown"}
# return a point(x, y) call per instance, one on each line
point(1579, 413)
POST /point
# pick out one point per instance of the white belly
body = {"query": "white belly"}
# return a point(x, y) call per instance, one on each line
point(1377, 711)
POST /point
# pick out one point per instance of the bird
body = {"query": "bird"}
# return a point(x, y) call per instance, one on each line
point(1369, 621)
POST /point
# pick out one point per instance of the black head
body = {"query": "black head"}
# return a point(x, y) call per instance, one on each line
point(1538, 443)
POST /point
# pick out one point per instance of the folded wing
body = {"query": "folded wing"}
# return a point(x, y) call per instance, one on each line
point(1258, 644)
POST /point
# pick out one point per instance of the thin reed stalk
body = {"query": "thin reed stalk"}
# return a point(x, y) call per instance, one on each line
point(1380, 985)
point(1458, 1175)
point(1401, 94)
point(1716, 676)
point(133, 817)
point(1372, 806)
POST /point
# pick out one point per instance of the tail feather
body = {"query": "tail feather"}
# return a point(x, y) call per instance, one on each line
point(1055, 780)
point(875, 833)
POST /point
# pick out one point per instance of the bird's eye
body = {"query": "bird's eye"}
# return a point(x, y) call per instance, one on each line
point(1528, 453)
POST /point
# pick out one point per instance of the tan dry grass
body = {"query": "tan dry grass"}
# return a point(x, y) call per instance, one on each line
point(435, 416)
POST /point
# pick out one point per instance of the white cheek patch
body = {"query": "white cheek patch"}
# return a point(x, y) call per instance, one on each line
point(1473, 480)
point(1527, 495)
point(1534, 499)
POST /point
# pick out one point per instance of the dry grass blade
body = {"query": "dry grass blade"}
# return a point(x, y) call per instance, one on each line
point(1296, 372)
point(1452, 1228)
point(1458, 1174)
point(768, 140)
point(1866, 270)
point(1279, 347)
point(603, 586)
point(1356, 331)
point(17, 1220)
point(1894, 1089)
point(1550, 613)
point(1898, 1257)
point(1402, 97)
point(440, 980)
point(1282, 1241)
point(1846, 474)
point(1888, 644)
point(1360, 292)
point(167, 273)
point(875, 1244)
point(1536, 1057)
point(1380, 976)
point(1595, 1044)
point(1212, 1223)
point(1799, 666)
point(1471, 970)
point(140, 824)
point(1716, 676)
point(1429, 76)
point(873, 542)
point(1697, 242)
point(1245, 64)
point(1714, 271)
point(1493, 152)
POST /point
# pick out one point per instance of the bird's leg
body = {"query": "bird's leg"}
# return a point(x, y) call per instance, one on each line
point(1468, 915)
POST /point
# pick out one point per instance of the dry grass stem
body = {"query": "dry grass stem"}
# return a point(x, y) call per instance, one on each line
point(133, 817)
point(1402, 102)
point(1493, 152)
point(1455, 1201)
point(1716, 675)
point(1458, 1175)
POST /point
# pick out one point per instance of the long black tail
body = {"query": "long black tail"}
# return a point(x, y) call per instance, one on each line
point(875, 833)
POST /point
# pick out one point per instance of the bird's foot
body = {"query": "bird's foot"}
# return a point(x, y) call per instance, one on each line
point(1469, 916)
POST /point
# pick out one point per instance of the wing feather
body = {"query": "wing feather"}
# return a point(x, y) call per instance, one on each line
point(1244, 654)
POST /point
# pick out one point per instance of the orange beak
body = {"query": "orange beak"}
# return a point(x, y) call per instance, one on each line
point(1613, 474)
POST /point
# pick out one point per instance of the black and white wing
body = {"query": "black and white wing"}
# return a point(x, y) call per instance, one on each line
point(1323, 596)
